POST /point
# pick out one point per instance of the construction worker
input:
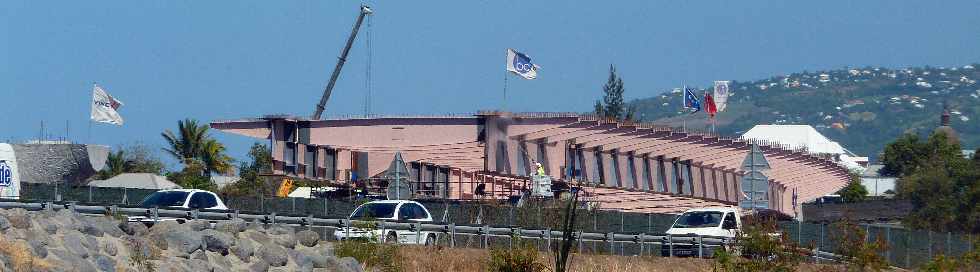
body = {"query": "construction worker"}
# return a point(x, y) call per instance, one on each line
point(540, 169)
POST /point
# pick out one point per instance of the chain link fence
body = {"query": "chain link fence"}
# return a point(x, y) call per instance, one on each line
point(903, 248)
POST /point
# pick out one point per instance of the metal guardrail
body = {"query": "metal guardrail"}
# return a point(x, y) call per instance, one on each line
point(702, 244)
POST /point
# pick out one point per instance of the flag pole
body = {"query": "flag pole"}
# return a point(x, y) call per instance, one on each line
point(89, 136)
point(684, 104)
point(504, 106)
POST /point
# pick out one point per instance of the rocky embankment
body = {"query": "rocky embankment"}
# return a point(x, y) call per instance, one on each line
point(64, 241)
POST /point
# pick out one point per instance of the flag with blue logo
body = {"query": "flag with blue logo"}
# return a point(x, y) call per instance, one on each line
point(691, 100)
point(520, 64)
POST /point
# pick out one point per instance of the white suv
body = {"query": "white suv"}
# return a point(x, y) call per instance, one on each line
point(390, 210)
point(179, 198)
point(715, 221)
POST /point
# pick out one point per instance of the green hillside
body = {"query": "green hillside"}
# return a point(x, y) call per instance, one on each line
point(862, 108)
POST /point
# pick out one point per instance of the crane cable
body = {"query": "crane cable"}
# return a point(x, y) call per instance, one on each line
point(367, 71)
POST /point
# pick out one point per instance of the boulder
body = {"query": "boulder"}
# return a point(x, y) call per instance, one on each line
point(110, 248)
point(338, 264)
point(217, 241)
point(352, 264)
point(259, 266)
point(73, 261)
point(280, 229)
point(198, 225)
point(4, 223)
point(308, 238)
point(104, 263)
point(285, 240)
point(184, 242)
point(107, 225)
point(197, 265)
point(258, 237)
point(200, 255)
point(272, 254)
point(87, 227)
point(233, 226)
point(218, 262)
point(73, 243)
point(318, 260)
point(244, 250)
point(39, 247)
point(133, 228)
point(300, 258)
point(51, 228)
point(18, 218)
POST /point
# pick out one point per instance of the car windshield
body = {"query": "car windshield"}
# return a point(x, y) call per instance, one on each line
point(698, 220)
point(165, 199)
point(374, 210)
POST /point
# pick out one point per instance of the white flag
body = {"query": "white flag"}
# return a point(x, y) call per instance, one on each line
point(721, 95)
point(520, 64)
point(104, 107)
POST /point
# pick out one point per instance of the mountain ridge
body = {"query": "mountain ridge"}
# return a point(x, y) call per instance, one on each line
point(862, 108)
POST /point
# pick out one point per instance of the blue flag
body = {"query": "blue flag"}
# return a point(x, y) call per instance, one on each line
point(691, 100)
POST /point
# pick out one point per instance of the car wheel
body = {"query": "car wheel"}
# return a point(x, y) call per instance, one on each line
point(391, 238)
point(430, 240)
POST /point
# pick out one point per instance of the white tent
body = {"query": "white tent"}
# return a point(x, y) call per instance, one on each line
point(799, 136)
point(137, 181)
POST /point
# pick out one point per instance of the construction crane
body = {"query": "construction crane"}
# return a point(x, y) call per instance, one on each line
point(365, 10)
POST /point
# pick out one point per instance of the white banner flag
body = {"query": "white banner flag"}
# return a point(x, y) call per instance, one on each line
point(104, 107)
point(721, 95)
point(521, 65)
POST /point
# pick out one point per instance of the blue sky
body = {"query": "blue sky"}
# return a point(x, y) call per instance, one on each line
point(169, 60)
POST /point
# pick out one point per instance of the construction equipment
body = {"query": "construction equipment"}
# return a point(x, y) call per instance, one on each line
point(285, 188)
point(365, 10)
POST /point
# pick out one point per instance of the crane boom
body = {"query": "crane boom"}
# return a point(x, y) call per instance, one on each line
point(365, 10)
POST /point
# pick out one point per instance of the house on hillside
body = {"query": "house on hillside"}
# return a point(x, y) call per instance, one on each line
point(877, 184)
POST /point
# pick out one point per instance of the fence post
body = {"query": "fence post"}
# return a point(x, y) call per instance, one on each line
point(670, 245)
point(949, 240)
point(294, 203)
point(326, 212)
point(908, 248)
point(579, 238)
point(262, 203)
point(930, 244)
point(700, 252)
point(888, 244)
point(548, 236)
point(418, 233)
point(641, 243)
point(612, 243)
point(486, 235)
point(89, 194)
point(452, 235)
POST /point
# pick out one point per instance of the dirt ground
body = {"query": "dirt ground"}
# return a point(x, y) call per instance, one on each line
point(427, 259)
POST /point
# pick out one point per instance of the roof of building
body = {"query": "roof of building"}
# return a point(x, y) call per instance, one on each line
point(796, 136)
point(137, 181)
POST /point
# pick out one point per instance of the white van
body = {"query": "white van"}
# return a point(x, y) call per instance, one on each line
point(390, 210)
point(714, 221)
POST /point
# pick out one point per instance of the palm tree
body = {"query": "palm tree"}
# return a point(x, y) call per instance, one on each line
point(213, 156)
point(115, 164)
point(193, 144)
point(187, 146)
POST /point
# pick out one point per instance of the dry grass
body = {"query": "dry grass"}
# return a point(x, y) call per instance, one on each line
point(427, 259)
point(20, 255)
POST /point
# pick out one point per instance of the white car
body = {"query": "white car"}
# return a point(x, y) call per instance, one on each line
point(179, 198)
point(390, 210)
point(715, 221)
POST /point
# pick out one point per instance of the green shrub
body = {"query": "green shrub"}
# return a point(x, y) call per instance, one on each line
point(859, 254)
point(380, 256)
point(523, 257)
point(761, 250)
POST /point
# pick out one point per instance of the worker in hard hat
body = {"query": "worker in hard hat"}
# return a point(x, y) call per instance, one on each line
point(540, 169)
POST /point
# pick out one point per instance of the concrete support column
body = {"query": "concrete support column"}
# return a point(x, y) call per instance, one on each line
point(624, 173)
point(607, 170)
point(697, 184)
point(670, 185)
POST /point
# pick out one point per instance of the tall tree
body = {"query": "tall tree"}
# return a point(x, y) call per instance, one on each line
point(193, 145)
point(259, 162)
point(131, 158)
point(942, 186)
point(188, 143)
point(612, 105)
